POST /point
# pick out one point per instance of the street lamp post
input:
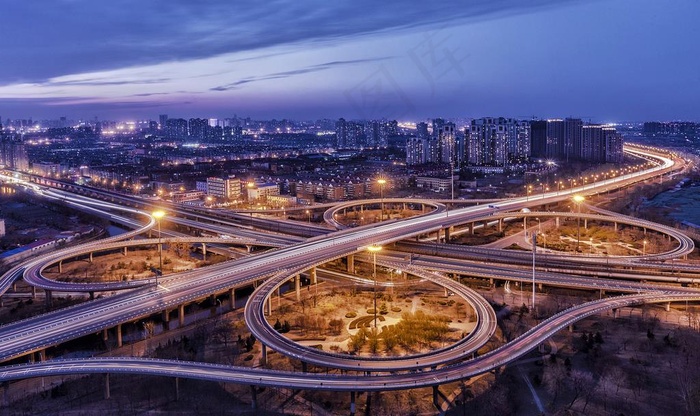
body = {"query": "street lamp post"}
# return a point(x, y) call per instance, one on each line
point(381, 183)
point(308, 213)
point(534, 250)
point(578, 199)
point(374, 249)
point(644, 248)
point(158, 215)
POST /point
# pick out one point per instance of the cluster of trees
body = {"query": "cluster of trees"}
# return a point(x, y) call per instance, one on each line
point(414, 329)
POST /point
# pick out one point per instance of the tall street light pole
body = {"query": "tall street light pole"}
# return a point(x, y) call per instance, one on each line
point(158, 215)
point(578, 199)
point(374, 249)
point(381, 183)
point(534, 250)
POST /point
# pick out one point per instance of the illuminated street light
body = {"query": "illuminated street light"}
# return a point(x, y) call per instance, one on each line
point(158, 215)
point(308, 213)
point(374, 249)
point(381, 183)
point(644, 248)
point(578, 199)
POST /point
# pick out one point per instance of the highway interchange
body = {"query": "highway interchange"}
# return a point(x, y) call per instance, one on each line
point(291, 258)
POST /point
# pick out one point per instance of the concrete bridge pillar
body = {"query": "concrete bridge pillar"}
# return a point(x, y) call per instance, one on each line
point(500, 225)
point(351, 263)
point(106, 391)
point(49, 301)
point(177, 389)
point(297, 287)
point(314, 275)
point(667, 306)
point(264, 354)
point(447, 235)
point(269, 305)
point(91, 257)
point(471, 228)
point(232, 298)
point(571, 327)
point(166, 319)
point(352, 403)
point(539, 286)
point(125, 251)
point(616, 313)
point(585, 223)
point(204, 252)
point(254, 398)
point(119, 335)
point(181, 315)
point(615, 224)
point(60, 270)
point(435, 397)
point(105, 334)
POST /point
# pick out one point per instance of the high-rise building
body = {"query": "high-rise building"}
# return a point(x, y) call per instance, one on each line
point(198, 128)
point(176, 128)
point(349, 134)
point(447, 142)
point(500, 142)
point(417, 150)
point(13, 154)
point(162, 119)
point(225, 188)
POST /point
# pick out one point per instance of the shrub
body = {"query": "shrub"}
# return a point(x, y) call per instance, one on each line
point(351, 315)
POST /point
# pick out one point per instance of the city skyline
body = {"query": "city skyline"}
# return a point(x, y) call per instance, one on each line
point(606, 61)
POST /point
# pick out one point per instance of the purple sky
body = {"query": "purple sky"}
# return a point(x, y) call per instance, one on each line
point(607, 60)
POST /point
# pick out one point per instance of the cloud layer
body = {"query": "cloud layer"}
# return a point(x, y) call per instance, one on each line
point(49, 38)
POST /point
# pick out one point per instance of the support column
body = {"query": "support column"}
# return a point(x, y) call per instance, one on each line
point(60, 266)
point(254, 398)
point(107, 395)
point(181, 315)
point(166, 320)
point(297, 287)
point(571, 327)
point(105, 334)
point(119, 335)
point(435, 397)
point(500, 225)
point(585, 223)
point(177, 389)
point(49, 301)
point(615, 227)
point(125, 251)
point(556, 222)
point(314, 277)
point(204, 252)
point(447, 235)
point(352, 403)
point(269, 305)
point(351, 263)
point(304, 367)
point(667, 306)
point(91, 257)
point(264, 354)
point(232, 298)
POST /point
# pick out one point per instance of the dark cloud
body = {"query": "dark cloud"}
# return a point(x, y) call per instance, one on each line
point(48, 38)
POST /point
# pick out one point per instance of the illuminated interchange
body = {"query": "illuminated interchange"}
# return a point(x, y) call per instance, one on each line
point(269, 270)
